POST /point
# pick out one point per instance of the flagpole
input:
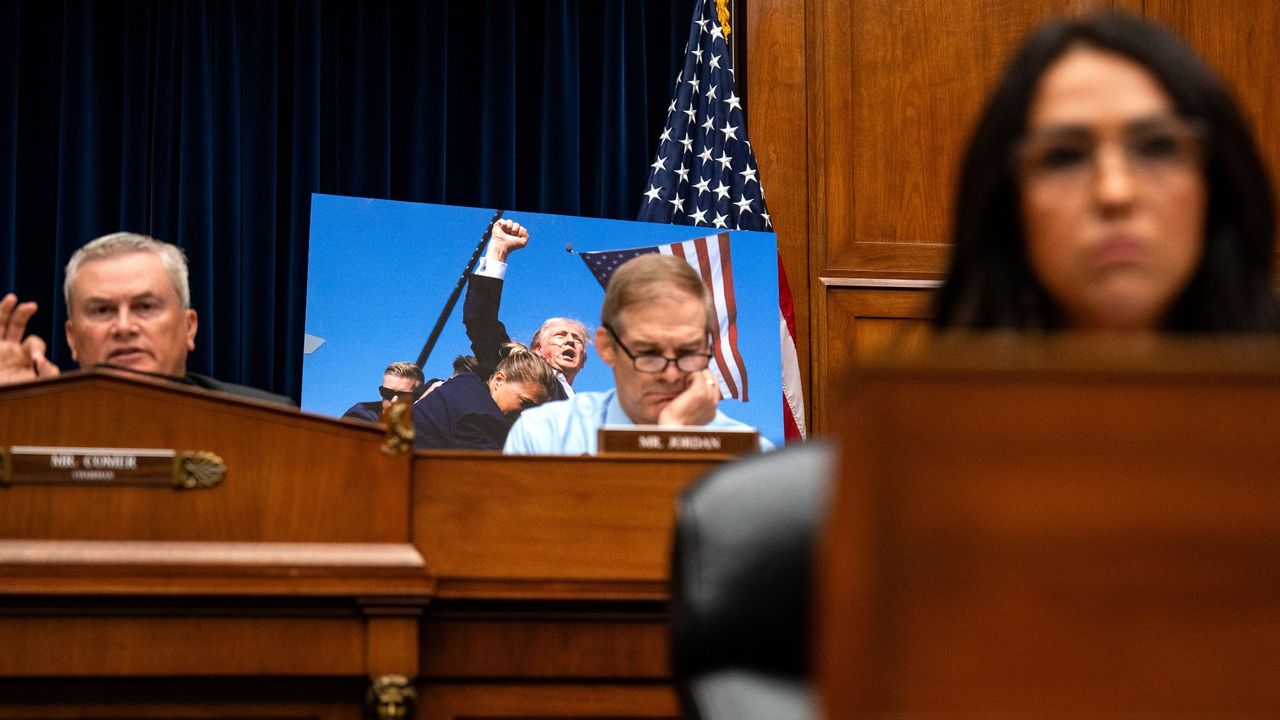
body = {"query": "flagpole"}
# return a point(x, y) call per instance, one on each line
point(457, 291)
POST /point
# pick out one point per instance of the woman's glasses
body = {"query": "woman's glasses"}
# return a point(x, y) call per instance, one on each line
point(1066, 156)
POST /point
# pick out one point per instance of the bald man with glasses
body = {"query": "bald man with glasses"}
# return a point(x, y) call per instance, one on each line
point(655, 333)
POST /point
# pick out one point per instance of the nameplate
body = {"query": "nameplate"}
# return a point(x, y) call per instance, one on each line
point(49, 465)
point(662, 439)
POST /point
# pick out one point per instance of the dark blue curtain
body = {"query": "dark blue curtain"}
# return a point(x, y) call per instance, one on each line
point(209, 124)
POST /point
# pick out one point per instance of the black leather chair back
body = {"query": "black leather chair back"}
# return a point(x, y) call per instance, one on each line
point(741, 575)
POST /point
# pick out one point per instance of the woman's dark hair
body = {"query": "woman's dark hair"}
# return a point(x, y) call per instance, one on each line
point(990, 283)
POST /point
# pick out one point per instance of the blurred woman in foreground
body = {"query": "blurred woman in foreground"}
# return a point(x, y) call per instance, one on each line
point(1111, 184)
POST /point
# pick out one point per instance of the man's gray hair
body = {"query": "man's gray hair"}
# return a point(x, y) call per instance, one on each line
point(121, 243)
point(542, 329)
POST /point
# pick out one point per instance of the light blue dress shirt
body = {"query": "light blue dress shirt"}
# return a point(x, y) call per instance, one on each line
point(571, 427)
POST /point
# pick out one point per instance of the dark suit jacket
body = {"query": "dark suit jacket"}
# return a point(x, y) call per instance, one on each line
point(486, 331)
point(460, 414)
point(368, 411)
point(209, 383)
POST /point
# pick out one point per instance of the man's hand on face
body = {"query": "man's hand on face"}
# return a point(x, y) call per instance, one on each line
point(20, 359)
point(507, 237)
point(696, 405)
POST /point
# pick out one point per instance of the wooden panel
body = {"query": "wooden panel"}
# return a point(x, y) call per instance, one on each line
point(174, 569)
point(183, 711)
point(778, 128)
point(295, 566)
point(892, 89)
point(1062, 530)
point(529, 642)
point(183, 698)
point(1238, 37)
point(290, 477)
point(547, 527)
point(861, 323)
point(902, 85)
point(183, 644)
point(550, 701)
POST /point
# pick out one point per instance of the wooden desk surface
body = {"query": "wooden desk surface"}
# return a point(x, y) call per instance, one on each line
point(1066, 529)
point(535, 585)
point(291, 477)
point(548, 527)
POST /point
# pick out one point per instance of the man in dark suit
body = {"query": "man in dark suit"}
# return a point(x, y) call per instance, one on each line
point(399, 380)
point(562, 342)
point(128, 307)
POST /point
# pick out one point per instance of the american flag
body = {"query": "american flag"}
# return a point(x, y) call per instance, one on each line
point(710, 257)
point(705, 172)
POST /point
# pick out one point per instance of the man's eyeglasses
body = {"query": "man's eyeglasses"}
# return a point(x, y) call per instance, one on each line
point(389, 394)
point(652, 363)
point(1152, 147)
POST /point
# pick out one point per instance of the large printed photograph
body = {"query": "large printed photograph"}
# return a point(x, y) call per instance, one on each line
point(381, 276)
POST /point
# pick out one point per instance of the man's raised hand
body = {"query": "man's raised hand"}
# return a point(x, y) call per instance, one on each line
point(21, 359)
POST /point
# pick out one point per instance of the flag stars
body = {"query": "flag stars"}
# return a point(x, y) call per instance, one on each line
point(693, 151)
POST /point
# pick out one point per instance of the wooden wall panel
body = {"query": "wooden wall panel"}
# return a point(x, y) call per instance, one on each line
point(76, 709)
point(901, 86)
point(560, 701)
point(894, 88)
point(1239, 38)
point(889, 92)
point(776, 108)
point(860, 323)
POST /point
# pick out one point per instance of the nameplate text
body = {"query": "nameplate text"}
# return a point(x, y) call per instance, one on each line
point(50, 465)
point(662, 439)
